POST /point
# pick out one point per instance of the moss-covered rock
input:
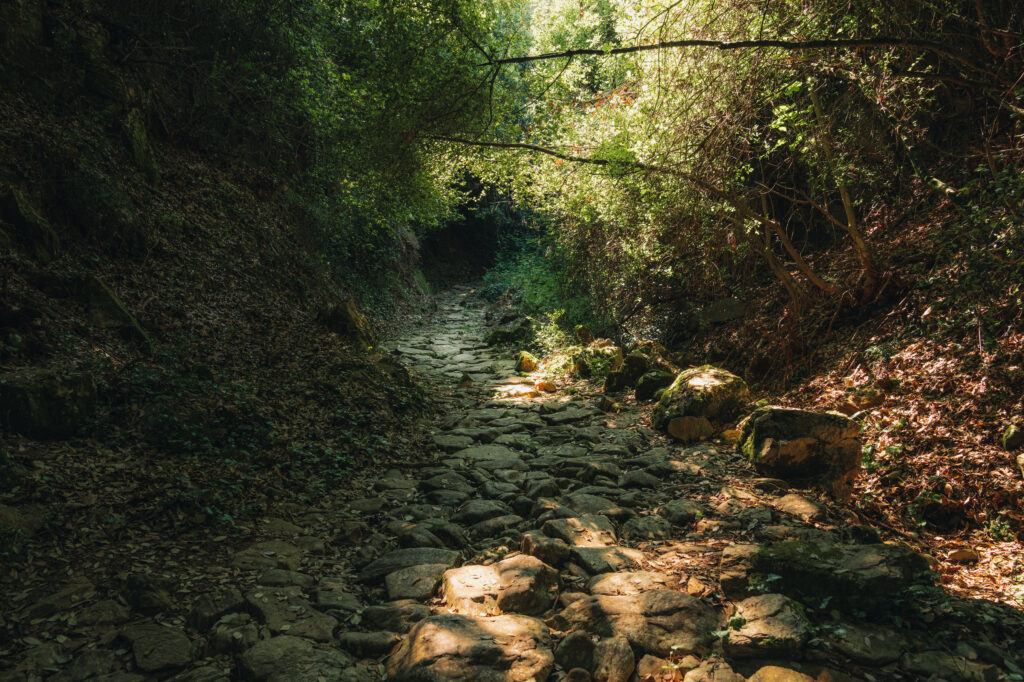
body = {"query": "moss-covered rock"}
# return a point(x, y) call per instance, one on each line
point(346, 320)
point(44, 404)
point(633, 367)
point(1013, 436)
point(701, 392)
point(599, 359)
point(515, 332)
point(526, 362)
point(104, 309)
point(650, 382)
point(823, 448)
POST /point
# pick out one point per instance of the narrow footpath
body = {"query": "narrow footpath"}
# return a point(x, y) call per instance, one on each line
point(541, 538)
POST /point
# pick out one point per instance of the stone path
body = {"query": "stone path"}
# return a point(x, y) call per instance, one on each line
point(544, 539)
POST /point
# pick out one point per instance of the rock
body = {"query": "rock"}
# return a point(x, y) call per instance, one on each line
point(450, 443)
point(404, 558)
point(638, 478)
point(45, 404)
point(800, 507)
point(268, 554)
point(873, 646)
point(519, 584)
point(414, 582)
point(583, 503)
point(368, 644)
point(206, 673)
point(680, 512)
point(345, 319)
point(368, 505)
point(233, 634)
point(772, 627)
point(496, 526)
point(106, 612)
point(62, 600)
point(156, 647)
point(866, 576)
point(91, 664)
point(209, 608)
point(576, 650)
point(613, 660)
point(798, 444)
point(462, 648)
point(1013, 436)
point(651, 382)
point(863, 398)
point(587, 530)
point(662, 622)
point(551, 551)
point(690, 429)
point(713, 670)
point(397, 616)
point(285, 610)
point(964, 555)
point(631, 582)
point(279, 577)
point(646, 528)
point(943, 665)
point(653, 669)
point(701, 392)
point(104, 309)
point(526, 362)
point(577, 675)
point(633, 367)
point(19, 522)
point(478, 510)
point(597, 560)
point(334, 596)
point(292, 659)
point(775, 673)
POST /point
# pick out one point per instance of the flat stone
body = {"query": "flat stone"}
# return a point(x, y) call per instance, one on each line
point(292, 659)
point(476, 511)
point(368, 644)
point(631, 583)
point(874, 646)
point(285, 610)
point(586, 530)
point(646, 528)
point(570, 415)
point(576, 650)
point(414, 582)
point(864, 576)
point(404, 558)
point(368, 505)
point(278, 577)
point(773, 627)
point(496, 526)
point(597, 560)
point(661, 622)
point(455, 647)
point(583, 503)
point(396, 616)
point(209, 608)
point(451, 443)
point(551, 551)
point(156, 647)
point(638, 478)
point(680, 512)
point(800, 507)
point(450, 480)
point(613, 660)
point(519, 584)
point(106, 612)
point(269, 554)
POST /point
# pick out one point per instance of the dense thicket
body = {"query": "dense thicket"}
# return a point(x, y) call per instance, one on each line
point(791, 131)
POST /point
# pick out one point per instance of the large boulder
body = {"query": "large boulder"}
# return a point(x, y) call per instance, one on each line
point(865, 577)
point(704, 391)
point(650, 382)
point(506, 648)
point(819, 447)
point(44, 404)
point(661, 622)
